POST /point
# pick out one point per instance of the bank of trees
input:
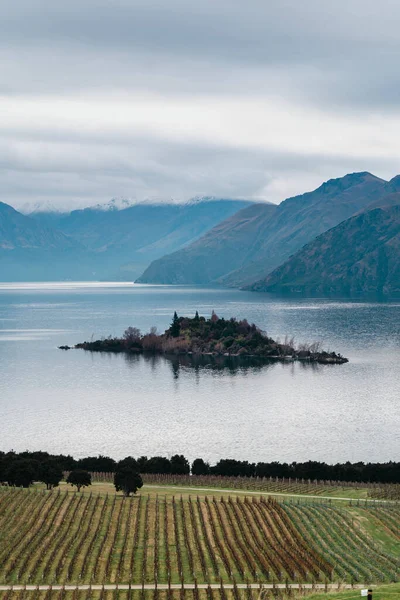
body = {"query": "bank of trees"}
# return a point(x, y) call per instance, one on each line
point(21, 469)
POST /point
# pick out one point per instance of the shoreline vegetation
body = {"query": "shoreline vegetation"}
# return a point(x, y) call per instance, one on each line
point(211, 337)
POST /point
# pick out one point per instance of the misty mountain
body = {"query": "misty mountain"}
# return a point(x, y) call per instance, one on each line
point(31, 250)
point(147, 227)
point(250, 248)
point(358, 257)
point(99, 243)
point(20, 231)
point(126, 241)
point(208, 258)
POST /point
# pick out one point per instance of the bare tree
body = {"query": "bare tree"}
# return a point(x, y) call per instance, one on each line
point(315, 347)
point(214, 317)
point(288, 344)
point(132, 335)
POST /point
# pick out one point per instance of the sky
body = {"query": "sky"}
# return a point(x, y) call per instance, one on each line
point(161, 100)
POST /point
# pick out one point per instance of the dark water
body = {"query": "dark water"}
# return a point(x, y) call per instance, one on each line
point(86, 403)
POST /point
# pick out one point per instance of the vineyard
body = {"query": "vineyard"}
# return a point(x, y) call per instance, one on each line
point(58, 537)
point(332, 531)
point(158, 594)
point(271, 485)
point(388, 516)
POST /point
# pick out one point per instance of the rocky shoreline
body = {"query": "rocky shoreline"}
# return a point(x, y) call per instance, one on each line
point(326, 358)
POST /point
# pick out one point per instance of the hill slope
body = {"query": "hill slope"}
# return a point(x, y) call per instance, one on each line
point(361, 256)
point(225, 246)
point(259, 245)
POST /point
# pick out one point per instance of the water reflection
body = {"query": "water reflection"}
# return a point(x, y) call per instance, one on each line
point(230, 365)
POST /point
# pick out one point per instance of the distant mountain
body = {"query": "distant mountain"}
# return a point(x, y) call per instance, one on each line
point(115, 204)
point(126, 241)
point(30, 250)
point(19, 231)
point(208, 258)
point(244, 249)
point(358, 257)
point(113, 242)
point(48, 207)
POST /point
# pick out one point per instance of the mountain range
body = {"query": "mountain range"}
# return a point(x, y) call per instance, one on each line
point(251, 248)
point(30, 250)
point(95, 243)
point(357, 258)
point(340, 239)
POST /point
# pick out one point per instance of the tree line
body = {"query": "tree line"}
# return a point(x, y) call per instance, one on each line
point(17, 468)
point(22, 470)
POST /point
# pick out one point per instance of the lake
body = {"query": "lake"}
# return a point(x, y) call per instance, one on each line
point(85, 404)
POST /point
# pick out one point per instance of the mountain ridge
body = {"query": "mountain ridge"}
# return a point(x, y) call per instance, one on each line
point(295, 222)
point(21, 231)
point(226, 233)
point(358, 257)
point(105, 244)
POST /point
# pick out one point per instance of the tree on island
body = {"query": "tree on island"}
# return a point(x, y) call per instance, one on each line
point(79, 478)
point(213, 336)
point(175, 328)
point(50, 473)
point(132, 335)
point(126, 478)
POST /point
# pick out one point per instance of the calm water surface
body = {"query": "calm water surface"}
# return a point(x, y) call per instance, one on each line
point(86, 403)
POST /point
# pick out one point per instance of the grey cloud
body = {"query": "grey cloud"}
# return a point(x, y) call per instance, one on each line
point(256, 30)
point(339, 57)
point(164, 171)
point(346, 50)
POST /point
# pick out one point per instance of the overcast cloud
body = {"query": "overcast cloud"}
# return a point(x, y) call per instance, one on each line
point(176, 98)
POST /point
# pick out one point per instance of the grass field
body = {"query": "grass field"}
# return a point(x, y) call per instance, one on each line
point(95, 537)
point(381, 592)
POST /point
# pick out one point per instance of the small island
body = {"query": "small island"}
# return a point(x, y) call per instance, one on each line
point(213, 337)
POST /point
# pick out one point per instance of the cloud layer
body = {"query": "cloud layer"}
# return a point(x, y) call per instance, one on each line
point(155, 99)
